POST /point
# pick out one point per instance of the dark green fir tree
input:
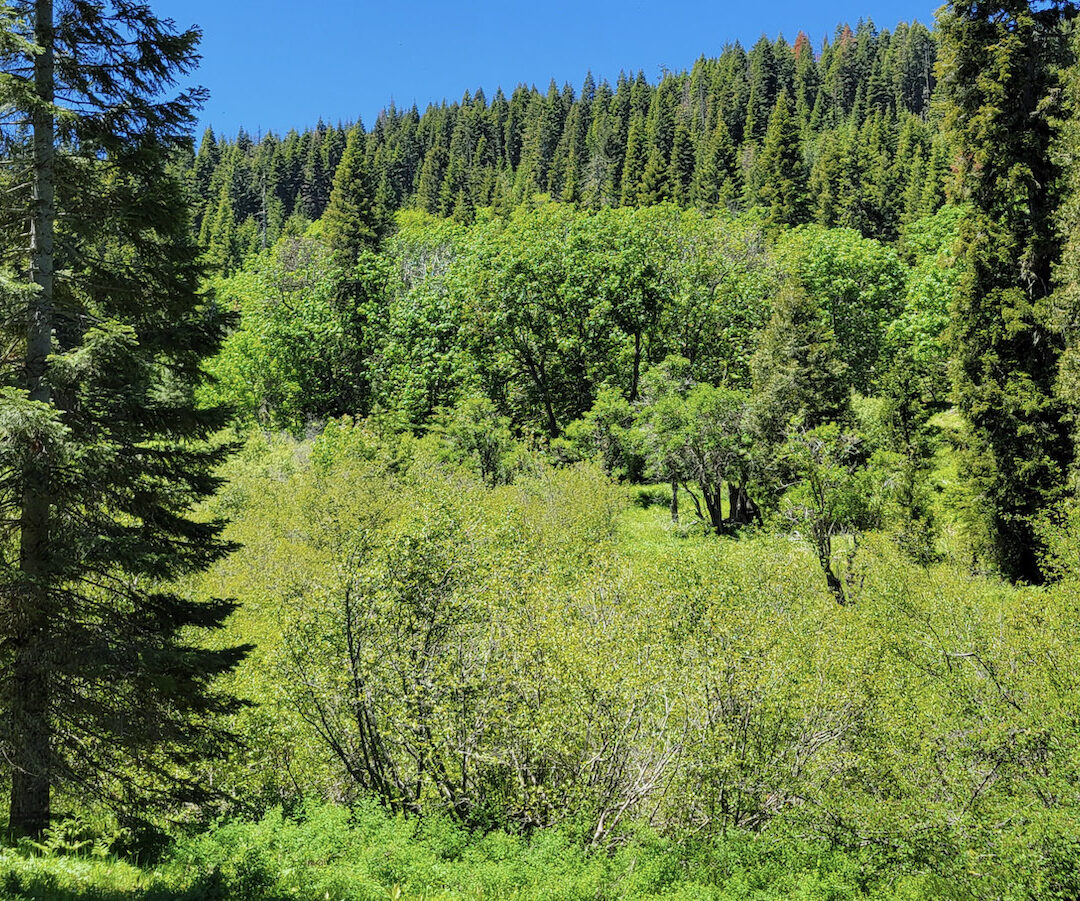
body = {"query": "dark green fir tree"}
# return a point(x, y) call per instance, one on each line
point(780, 175)
point(106, 690)
point(1002, 64)
point(350, 223)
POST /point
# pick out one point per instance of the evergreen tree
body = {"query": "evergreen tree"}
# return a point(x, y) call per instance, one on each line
point(1067, 276)
point(1002, 62)
point(655, 187)
point(830, 179)
point(315, 187)
point(764, 89)
point(429, 189)
point(350, 222)
point(715, 171)
point(807, 80)
point(206, 163)
point(731, 90)
point(780, 176)
point(681, 170)
point(104, 450)
point(634, 165)
point(600, 170)
point(799, 377)
point(458, 157)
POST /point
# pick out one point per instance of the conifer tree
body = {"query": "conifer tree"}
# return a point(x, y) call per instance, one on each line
point(350, 223)
point(830, 180)
point(206, 163)
point(1002, 63)
point(1067, 276)
point(714, 181)
point(763, 89)
point(655, 187)
point(315, 192)
point(798, 374)
point(218, 233)
point(681, 170)
point(458, 156)
point(731, 90)
point(781, 176)
point(806, 80)
point(431, 177)
point(634, 165)
point(103, 450)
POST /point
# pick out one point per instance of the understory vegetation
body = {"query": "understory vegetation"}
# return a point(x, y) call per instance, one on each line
point(547, 689)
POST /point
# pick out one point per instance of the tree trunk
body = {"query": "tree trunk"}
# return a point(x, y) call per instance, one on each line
point(754, 510)
point(674, 500)
point(30, 727)
point(714, 504)
point(824, 550)
point(635, 377)
point(743, 511)
point(539, 377)
point(735, 506)
point(835, 585)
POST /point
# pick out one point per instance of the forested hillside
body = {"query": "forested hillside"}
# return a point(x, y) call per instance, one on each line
point(853, 144)
point(665, 489)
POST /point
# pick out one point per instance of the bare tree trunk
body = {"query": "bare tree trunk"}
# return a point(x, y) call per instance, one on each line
point(30, 727)
point(674, 500)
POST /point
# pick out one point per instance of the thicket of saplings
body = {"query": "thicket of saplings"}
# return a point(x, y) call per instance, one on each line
point(640, 568)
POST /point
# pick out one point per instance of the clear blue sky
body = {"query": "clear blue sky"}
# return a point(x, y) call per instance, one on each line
point(271, 64)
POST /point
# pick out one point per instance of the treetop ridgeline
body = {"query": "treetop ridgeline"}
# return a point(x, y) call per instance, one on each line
point(843, 137)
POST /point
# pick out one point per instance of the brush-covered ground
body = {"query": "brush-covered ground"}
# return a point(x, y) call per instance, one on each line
point(580, 699)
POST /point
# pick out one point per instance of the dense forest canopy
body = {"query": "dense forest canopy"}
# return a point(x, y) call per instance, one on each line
point(641, 490)
point(853, 144)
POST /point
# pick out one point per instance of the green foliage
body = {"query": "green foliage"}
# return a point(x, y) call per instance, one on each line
point(365, 855)
point(106, 682)
point(480, 669)
point(857, 116)
point(1001, 107)
point(606, 434)
point(798, 372)
point(306, 336)
point(476, 435)
point(834, 494)
point(350, 223)
point(702, 435)
point(858, 283)
point(505, 635)
point(422, 360)
point(780, 176)
point(539, 313)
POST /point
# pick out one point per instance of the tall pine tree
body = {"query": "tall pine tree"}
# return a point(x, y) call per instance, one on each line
point(780, 176)
point(103, 450)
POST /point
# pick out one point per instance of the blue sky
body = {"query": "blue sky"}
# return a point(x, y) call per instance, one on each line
point(271, 64)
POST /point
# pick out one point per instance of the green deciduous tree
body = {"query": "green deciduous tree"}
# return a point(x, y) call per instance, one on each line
point(858, 283)
point(833, 495)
